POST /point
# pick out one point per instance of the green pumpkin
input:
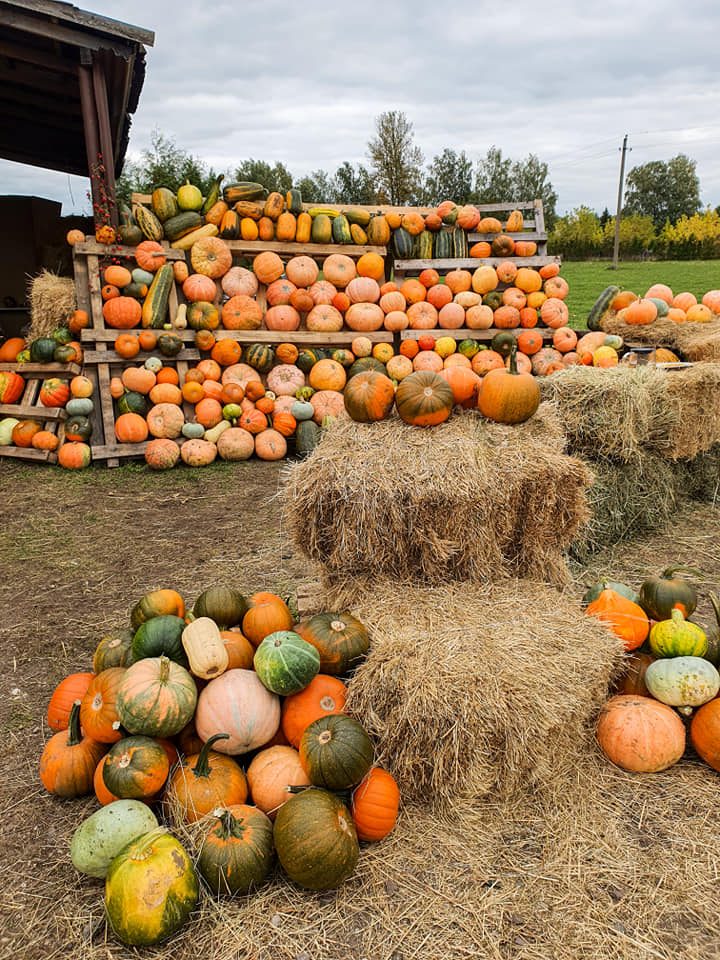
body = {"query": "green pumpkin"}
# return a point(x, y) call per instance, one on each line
point(156, 698)
point(42, 350)
point(285, 663)
point(315, 840)
point(61, 335)
point(260, 357)
point(100, 838)
point(114, 650)
point(594, 591)
point(307, 437)
point(677, 637)
point(189, 197)
point(302, 410)
point(193, 431)
point(683, 682)
point(169, 344)
point(307, 359)
point(237, 853)
point(503, 343)
point(336, 752)
point(141, 276)
point(340, 639)
point(64, 353)
point(78, 428)
point(660, 595)
point(160, 636)
point(363, 364)
point(135, 768)
point(133, 402)
point(225, 605)
point(662, 307)
point(150, 890)
point(80, 406)
point(468, 348)
point(344, 357)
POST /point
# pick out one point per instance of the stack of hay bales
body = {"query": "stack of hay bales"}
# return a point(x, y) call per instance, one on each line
point(52, 300)
point(694, 341)
point(650, 436)
point(480, 679)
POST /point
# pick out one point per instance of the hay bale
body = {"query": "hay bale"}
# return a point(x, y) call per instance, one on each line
point(626, 499)
point(695, 341)
point(661, 332)
point(690, 422)
point(52, 300)
point(611, 412)
point(700, 477)
point(468, 500)
point(473, 693)
point(699, 341)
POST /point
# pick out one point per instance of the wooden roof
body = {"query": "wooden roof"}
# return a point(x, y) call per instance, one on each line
point(42, 45)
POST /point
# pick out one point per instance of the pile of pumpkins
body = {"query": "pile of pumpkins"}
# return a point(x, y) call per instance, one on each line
point(247, 210)
point(670, 673)
point(658, 303)
point(230, 719)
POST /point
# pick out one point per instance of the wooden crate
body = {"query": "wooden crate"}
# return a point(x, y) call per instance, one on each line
point(30, 408)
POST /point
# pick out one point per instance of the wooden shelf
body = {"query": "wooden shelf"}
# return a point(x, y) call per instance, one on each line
point(471, 263)
point(63, 371)
point(242, 336)
point(302, 249)
point(465, 333)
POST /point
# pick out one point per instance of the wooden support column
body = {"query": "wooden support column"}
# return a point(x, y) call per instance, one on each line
point(106, 145)
point(98, 138)
point(90, 126)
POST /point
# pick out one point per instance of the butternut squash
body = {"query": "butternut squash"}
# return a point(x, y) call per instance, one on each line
point(205, 648)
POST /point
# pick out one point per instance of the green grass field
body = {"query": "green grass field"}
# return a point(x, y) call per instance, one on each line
point(588, 279)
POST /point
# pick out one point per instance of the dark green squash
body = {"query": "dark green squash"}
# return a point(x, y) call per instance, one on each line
point(237, 853)
point(213, 195)
point(225, 605)
point(444, 248)
point(660, 595)
point(133, 402)
point(135, 768)
point(460, 244)
point(169, 344)
point(468, 348)
point(243, 190)
point(293, 201)
point(260, 357)
point(423, 246)
point(362, 364)
point(307, 437)
point(307, 359)
point(336, 752)
point(160, 636)
point(61, 335)
point(285, 663)
point(64, 353)
point(78, 428)
point(340, 639)
point(402, 243)
point(341, 230)
point(42, 350)
point(315, 840)
point(493, 299)
point(182, 224)
point(601, 307)
point(114, 650)
point(503, 343)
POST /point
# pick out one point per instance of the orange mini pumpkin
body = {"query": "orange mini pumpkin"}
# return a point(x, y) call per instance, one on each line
point(626, 619)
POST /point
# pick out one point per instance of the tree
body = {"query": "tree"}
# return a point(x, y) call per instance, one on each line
point(352, 184)
point(604, 217)
point(449, 177)
point(396, 161)
point(276, 178)
point(163, 165)
point(531, 181)
point(316, 187)
point(663, 190)
point(493, 178)
point(577, 235)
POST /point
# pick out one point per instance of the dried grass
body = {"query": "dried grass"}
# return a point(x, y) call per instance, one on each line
point(627, 499)
point(690, 420)
point(695, 341)
point(468, 500)
point(700, 477)
point(473, 693)
point(52, 299)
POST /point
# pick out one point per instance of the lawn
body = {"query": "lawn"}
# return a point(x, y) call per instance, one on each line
point(588, 278)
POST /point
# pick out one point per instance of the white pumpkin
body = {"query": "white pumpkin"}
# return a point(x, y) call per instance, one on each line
point(238, 704)
point(99, 839)
point(683, 682)
point(285, 379)
point(7, 425)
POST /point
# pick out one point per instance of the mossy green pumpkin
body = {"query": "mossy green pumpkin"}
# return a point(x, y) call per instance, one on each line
point(315, 840)
point(260, 357)
point(133, 402)
point(336, 752)
point(150, 889)
point(678, 637)
point(468, 348)
point(156, 697)
point(659, 596)
point(307, 359)
point(237, 852)
point(225, 605)
point(340, 639)
point(285, 663)
point(161, 636)
point(594, 591)
point(364, 364)
point(114, 650)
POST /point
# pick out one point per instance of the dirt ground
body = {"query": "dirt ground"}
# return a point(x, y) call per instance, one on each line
point(76, 550)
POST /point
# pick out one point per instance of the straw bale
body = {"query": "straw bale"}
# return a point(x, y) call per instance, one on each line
point(700, 477)
point(661, 332)
point(695, 341)
point(468, 500)
point(611, 412)
point(699, 341)
point(691, 408)
point(627, 499)
point(52, 299)
point(470, 693)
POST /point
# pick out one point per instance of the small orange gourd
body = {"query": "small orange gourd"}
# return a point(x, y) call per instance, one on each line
point(627, 620)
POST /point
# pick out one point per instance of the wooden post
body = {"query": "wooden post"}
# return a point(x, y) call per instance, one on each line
point(618, 215)
point(89, 117)
point(106, 148)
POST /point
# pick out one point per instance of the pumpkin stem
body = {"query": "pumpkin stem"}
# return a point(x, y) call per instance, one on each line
point(202, 767)
point(74, 732)
point(513, 360)
point(141, 846)
point(164, 669)
point(671, 571)
point(230, 825)
point(299, 789)
point(677, 616)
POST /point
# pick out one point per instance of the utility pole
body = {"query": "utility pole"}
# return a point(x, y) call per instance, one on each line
point(616, 245)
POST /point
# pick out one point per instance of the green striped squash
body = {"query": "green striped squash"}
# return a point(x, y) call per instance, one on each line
point(285, 663)
point(260, 357)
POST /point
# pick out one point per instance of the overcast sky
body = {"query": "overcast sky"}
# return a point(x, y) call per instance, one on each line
point(302, 82)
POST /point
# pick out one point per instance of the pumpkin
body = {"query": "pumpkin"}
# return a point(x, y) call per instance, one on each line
point(199, 287)
point(323, 696)
point(74, 456)
point(122, 313)
point(271, 773)
point(365, 317)
point(302, 271)
point(70, 689)
point(237, 850)
point(270, 445)
point(315, 840)
point(322, 292)
point(100, 838)
point(424, 399)
point(238, 704)
point(683, 682)
point(225, 605)
point(659, 596)
point(23, 432)
point(131, 428)
point(204, 781)
point(242, 313)
point(529, 342)
point(239, 281)
point(479, 318)
point(594, 591)
point(640, 735)
point(375, 803)
point(136, 768)
point(705, 733)
point(677, 637)
point(127, 346)
point(235, 444)
point(113, 650)
point(626, 619)
point(324, 318)
point(151, 889)
point(368, 396)
point(138, 379)
point(336, 752)
point(285, 662)
point(239, 650)
point(11, 348)
point(507, 396)
point(398, 367)
point(267, 614)
point(339, 270)
point(371, 265)
point(69, 759)
point(632, 680)
point(160, 636)
point(463, 382)
point(210, 256)
point(203, 315)
point(285, 379)
point(165, 420)
point(640, 312)
point(98, 711)
point(155, 604)
point(156, 697)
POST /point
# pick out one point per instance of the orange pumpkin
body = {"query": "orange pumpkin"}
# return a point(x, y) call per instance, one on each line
point(150, 256)
point(323, 696)
point(640, 312)
point(180, 269)
point(147, 339)
point(554, 313)
point(199, 287)
point(208, 412)
point(413, 222)
point(429, 278)
point(98, 713)
point(166, 393)
point(705, 733)
point(464, 383)
point(131, 428)
point(267, 267)
point(506, 271)
point(302, 271)
point(45, 440)
point(117, 275)
point(506, 318)
point(375, 803)
point(127, 346)
point(639, 734)
point(508, 396)
point(210, 369)
point(242, 313)
point(270, 445)
point(480, 250)
point(122, 313)
point(23, 432)
point(138, 379)
point(211, 256)
point(327, 375)
point(271, 773)
point(167, 375)
point(79, 320)
point(339, 270)
point(424, 399)
point(626, 619)
point(565, 339)
point(226, 352)
point(371, 265)
point(529, 342)
point(282, 318)
point(74, 456)
point(267, 614)
point(487, 360)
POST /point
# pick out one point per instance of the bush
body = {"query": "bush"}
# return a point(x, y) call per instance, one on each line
point(691, 238)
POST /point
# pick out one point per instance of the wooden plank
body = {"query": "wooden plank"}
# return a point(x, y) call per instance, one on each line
point(244, 336)
point(32, 412)
point(63, 371)
point(465, 333)
point(110, 336)
point(308, 249)
point(103, 356)
point(402, 266)
point(146, 199)
point(90, 247)
point(103, 369)
point(27, 453)
point(82, 295)
point(540, 226)
point(520, 235)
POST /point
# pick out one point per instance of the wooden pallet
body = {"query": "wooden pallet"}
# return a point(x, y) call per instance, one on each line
point(30, 408)
point(299, 337)
point(465, 333)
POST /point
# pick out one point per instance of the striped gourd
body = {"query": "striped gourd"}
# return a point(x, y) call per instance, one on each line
point(244, 190)
point(460, 244)
point(182, 224)
point(260, 357)
point(293, 201)
point(164, 204)
point(149, 224)
point(403, 243)
point(155, 307)
point(341, 230)
point(444, 249)
point(423, 246)
point(358, 235)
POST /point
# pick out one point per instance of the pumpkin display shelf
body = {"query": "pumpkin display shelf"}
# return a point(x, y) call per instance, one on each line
point(29, 407)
